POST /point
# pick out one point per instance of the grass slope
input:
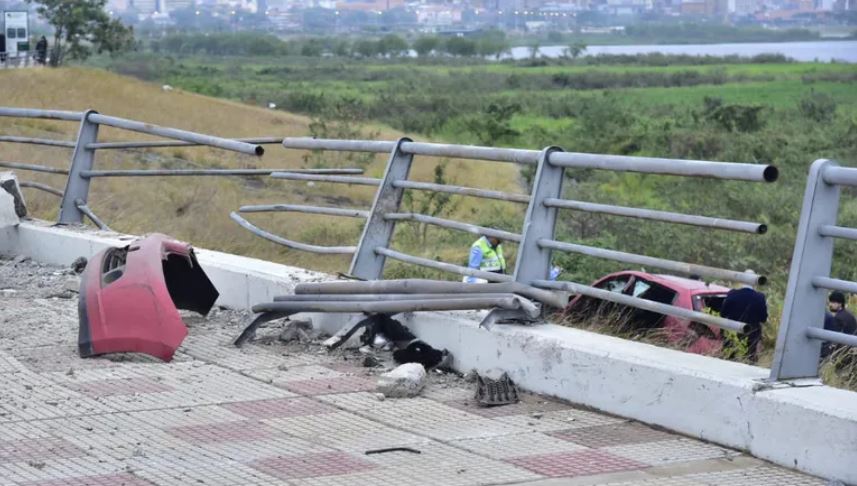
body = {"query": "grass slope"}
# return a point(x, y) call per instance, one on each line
point(197, 209)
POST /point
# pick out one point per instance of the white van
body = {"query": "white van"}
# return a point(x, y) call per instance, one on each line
point(15, 34)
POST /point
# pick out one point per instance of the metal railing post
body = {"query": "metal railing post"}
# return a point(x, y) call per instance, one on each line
point(796, 355)
point(378, 231)
point(77, 187)
point(533, 261)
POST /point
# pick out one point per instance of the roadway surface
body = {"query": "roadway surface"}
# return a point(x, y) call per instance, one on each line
point(278, 413)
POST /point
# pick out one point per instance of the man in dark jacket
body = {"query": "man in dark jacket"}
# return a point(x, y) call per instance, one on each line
point(748, 306)
point(42, 50)
point(840, 319)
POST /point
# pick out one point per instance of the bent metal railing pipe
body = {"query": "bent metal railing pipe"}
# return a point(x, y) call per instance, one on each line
point(801, 332)
point(536, 240)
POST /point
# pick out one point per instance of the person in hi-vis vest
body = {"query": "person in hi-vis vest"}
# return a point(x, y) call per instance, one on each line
point(486, 254)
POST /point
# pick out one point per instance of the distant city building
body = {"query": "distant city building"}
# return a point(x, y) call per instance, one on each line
point(145, 7)
point(367, 5)
point(118, 5)
point(437, 15)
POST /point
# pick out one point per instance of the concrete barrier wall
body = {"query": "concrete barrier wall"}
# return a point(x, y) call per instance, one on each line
point(806, 426)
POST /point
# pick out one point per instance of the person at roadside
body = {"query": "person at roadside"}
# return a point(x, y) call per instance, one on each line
point(747, 305)
point(486, 255)
point(42, 50)
point(839, 319)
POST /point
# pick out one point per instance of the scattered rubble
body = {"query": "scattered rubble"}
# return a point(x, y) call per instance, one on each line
point(300, 331)
point(405, 381)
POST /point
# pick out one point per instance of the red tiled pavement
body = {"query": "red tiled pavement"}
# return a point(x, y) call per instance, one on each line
point(323, 386)
point(581, 463)
point(121, 479)
point(224, 431)
point(278, 407)
point(612, 435)
point(312, 465)
point(37, 449)
point(127, 386)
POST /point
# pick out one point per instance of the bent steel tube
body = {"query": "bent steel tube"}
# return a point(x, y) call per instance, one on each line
point(89, 214)
point(644, 304)
point(655, 215)
point(380, 297)
point(393, 307)
point(652, 165)
point(843, 176)
point(45, 114)
point(328, 250)
point(838, 232)
point(447, 267)
point(463, 191)
point(208, 172)
point(33, 167)
point(423, 287)
point(308, 143)
point(41, 187)
point(456, 225)
point(362, 181)
point(472, 152)
point(831, 336)
point(835, 284)
point(150, 129)
point(671, 265)
point(174, 143)
point(297, 208)
point(38, 141)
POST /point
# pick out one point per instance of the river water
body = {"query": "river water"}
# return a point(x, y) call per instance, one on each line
point(823, 51)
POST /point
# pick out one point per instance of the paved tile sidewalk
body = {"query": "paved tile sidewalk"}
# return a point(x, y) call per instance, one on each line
point(272, 414)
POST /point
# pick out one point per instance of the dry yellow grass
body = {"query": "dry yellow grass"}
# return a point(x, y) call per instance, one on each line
point(197, 209)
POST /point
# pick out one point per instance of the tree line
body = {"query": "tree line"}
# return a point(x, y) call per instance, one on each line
point(492, 43)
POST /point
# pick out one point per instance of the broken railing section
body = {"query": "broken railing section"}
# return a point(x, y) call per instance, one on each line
point(536, 239)
point(801, 330)
point(74, 206)
point(390, 297)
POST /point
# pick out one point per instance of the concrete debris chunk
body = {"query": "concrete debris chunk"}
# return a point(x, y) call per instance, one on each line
point(405, 381)
point(297, 331)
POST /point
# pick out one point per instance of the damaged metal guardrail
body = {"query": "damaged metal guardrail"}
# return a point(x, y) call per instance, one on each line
point(801, 331)
point(536, 239)
point(74, 205)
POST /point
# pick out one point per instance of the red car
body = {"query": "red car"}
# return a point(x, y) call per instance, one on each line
point(668, 289)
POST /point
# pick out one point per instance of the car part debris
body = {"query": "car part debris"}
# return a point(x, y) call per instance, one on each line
point(491, 393)
point(9, 183)
point(130, 296)
point(78, 265)
point(393, 449)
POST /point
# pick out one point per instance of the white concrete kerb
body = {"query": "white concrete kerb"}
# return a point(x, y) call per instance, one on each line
point(809, 428)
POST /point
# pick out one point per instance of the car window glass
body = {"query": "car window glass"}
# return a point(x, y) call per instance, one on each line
point(614, 284)
point(640, 286)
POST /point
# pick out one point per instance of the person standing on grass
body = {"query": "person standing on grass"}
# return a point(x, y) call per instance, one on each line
point(839, 319)
point(749, 306)
point(42, 50)
point(486, 255)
